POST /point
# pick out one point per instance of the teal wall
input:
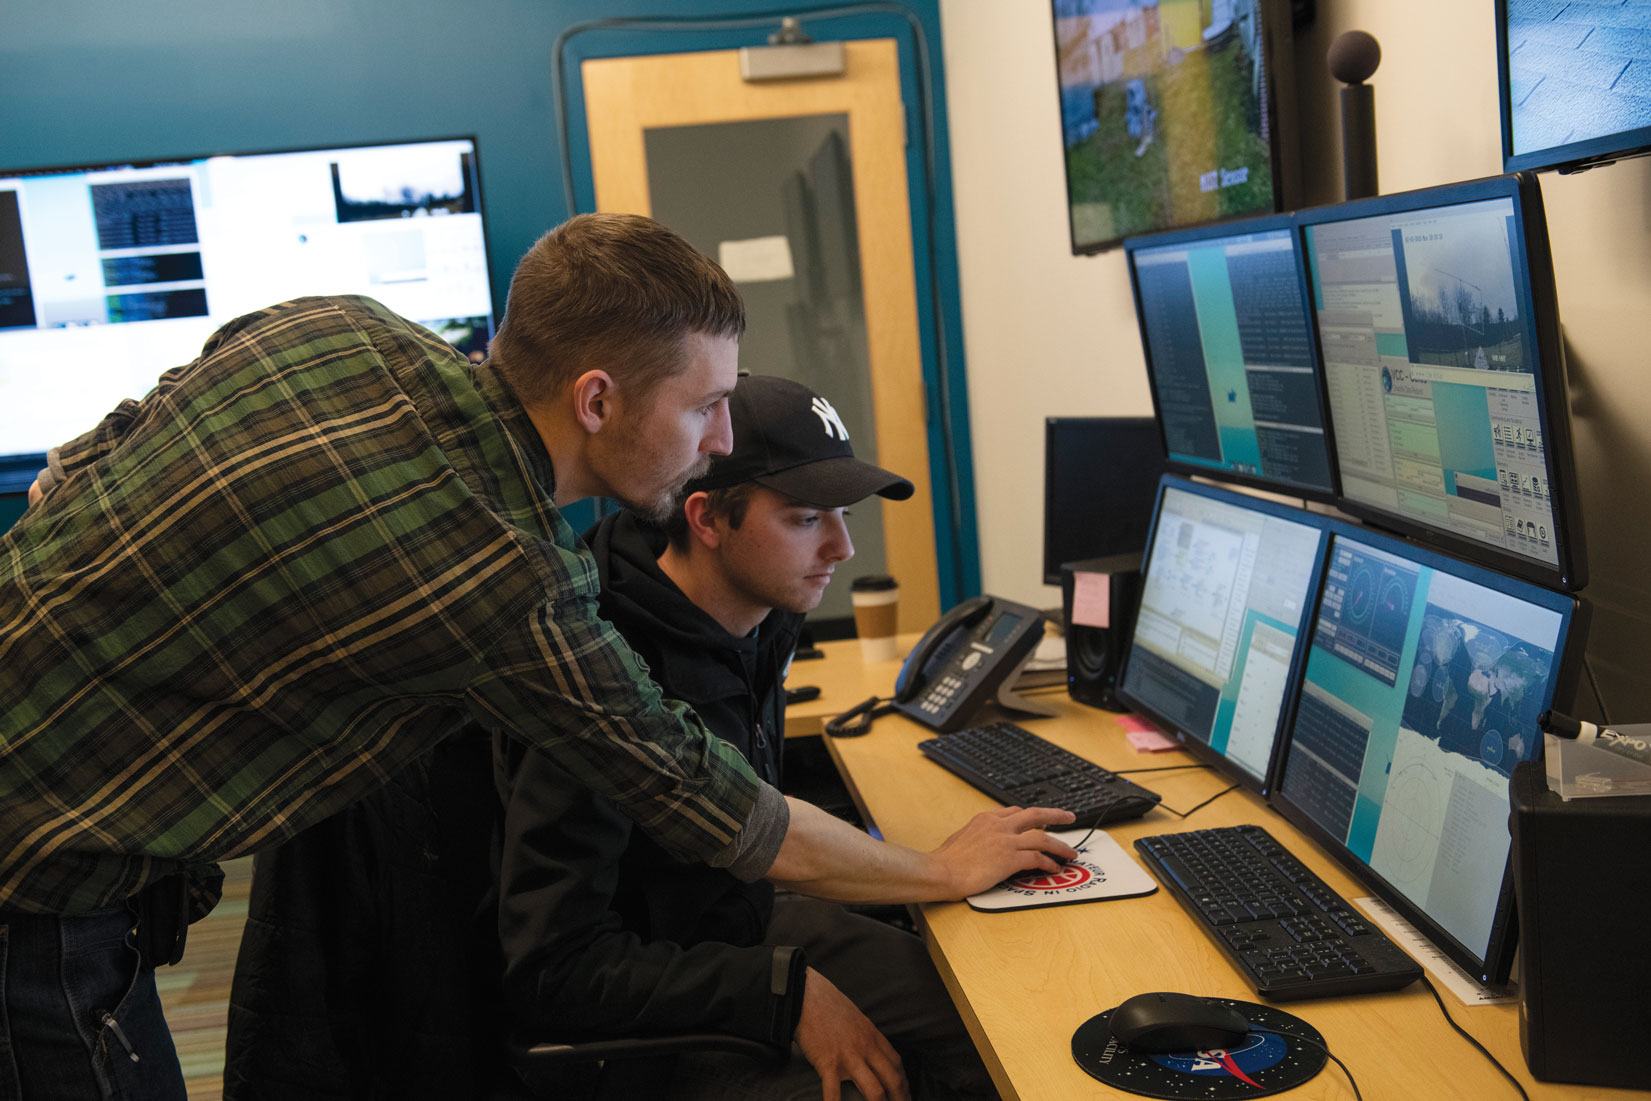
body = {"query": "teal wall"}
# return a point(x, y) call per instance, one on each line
point(95, 80)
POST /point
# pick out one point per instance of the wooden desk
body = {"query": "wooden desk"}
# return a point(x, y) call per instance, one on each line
point(1024, 981)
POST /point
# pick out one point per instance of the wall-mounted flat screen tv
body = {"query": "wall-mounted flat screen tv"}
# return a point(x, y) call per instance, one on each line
point(1173, 113)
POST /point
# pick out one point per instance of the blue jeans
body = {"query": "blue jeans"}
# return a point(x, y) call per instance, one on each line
point(79, 1014)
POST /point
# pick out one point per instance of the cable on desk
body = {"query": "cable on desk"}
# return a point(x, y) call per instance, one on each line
point(1351, 1081)
point(1160, 768)
point(1464, 1033)
point(1205, 803)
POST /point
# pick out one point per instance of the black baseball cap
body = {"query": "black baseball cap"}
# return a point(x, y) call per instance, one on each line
point(791, 440)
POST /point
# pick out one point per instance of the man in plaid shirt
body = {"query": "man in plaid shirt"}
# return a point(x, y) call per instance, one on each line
point(304, 559)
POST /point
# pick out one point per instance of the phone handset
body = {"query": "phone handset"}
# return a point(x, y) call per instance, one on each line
point(913, 673)
point(960, 662)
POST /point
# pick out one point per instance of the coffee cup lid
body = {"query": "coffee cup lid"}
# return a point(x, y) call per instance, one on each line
point(873, 583)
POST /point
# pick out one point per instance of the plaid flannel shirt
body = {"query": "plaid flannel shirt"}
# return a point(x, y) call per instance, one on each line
point(298, 563)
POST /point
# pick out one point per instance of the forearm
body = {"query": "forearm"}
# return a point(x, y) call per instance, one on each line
point(828, 858)
point(825, 857)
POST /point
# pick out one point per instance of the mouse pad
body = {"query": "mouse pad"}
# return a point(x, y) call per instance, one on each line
point(1103, 870)
point(1270, 1059)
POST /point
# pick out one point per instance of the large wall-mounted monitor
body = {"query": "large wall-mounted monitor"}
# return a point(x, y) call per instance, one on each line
point(1227, 584)
point(1574, 81)
point(1423, 683)
point(1229, 349)
point(1439, 338)
point(111, 274)
point(1100, 479)
point(1173, 113)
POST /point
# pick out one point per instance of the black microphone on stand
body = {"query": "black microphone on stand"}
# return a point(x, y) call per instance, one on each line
point(1352, 58)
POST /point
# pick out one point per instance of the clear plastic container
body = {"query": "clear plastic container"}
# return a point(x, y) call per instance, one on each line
point(1577, 771)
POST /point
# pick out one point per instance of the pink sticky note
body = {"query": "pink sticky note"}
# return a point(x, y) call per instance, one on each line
point(1145, 737)
point(1092, 599)
point(1149, 741)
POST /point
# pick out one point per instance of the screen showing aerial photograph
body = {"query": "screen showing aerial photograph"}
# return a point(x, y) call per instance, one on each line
point(1164, 114)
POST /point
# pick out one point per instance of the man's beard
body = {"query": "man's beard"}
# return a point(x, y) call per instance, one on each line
point(660, 510)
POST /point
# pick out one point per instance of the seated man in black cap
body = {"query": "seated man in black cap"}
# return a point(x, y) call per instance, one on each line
point(606, 935)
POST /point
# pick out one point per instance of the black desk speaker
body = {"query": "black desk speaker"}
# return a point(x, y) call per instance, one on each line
point(1582, 875)
point(1095, 654)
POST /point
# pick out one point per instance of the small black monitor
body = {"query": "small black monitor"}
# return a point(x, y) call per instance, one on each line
point(1423, 683)
point(1438, 335)
point(1229, 351)
point(1173, 114)
point(112, 273)
point(1227, 584)
point(1100, 476)
point(1574, 82)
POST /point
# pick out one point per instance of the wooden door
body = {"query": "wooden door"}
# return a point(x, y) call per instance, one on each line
point(667, 107)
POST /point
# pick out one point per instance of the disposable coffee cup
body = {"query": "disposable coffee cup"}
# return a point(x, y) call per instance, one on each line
point(876, 607)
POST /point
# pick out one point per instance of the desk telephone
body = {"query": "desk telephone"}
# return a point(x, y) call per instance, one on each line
point(971, 655)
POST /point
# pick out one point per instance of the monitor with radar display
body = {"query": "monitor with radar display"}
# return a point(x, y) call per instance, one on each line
point(1574, 81)
point(1227, 584)
point(1439, 340)
point(1423, 683)
point(114, 273)
point(1229, 351)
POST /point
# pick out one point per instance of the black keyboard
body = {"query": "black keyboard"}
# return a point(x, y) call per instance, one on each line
point(1018, 768)
point(1289, 933)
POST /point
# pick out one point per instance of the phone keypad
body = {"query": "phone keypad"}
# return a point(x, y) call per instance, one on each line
point(940, 697)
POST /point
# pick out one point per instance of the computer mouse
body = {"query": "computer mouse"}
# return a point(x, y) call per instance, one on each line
point(1165, 1021)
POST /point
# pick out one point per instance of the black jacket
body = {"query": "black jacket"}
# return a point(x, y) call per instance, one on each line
point(602, 932)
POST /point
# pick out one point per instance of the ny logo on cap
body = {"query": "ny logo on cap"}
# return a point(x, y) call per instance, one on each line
point(829, 418)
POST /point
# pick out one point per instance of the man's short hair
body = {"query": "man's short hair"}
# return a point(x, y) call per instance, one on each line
point(729, 502)
point(616, 292)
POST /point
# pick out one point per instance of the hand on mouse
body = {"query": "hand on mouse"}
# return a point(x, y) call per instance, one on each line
point(997, 844)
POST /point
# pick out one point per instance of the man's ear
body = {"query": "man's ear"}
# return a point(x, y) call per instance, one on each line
point(593, 400)
point(702, 525)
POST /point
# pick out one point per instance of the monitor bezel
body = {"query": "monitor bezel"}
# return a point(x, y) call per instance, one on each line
point(1278, 38)
point(1494, 968)
point(1051, 425)
point(17, 468)
point(1188, 740)
point(1569, 572)
point(1577, 156)
point(1270, 223)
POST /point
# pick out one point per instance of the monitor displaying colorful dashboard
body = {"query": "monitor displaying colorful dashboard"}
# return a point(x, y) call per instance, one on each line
point(1438, 337)
point(110, 274)
point(1421, 691)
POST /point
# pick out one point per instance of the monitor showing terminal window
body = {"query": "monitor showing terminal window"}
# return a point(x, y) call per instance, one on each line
point(1439, 340)
point(1227, 583)
point(111, 274)
point(1100, 479)
point(1423, 683)
point(1574, 82)
point(1229, 350)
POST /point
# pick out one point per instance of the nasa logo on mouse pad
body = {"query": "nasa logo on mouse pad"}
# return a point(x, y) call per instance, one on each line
point(1269, 1060)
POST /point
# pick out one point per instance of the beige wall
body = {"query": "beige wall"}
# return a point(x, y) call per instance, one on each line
point(1047, 333)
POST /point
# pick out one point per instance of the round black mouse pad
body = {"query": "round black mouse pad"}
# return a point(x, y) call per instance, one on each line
point(1269, 1060)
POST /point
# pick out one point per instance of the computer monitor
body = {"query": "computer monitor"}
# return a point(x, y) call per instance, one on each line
point(1572, 83)
point(1228, 582)
point(1438, 335)
point(1229, 351)
point(1100, 478)
point(1173, 113)
point(111, 274)
point(1424, 680)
